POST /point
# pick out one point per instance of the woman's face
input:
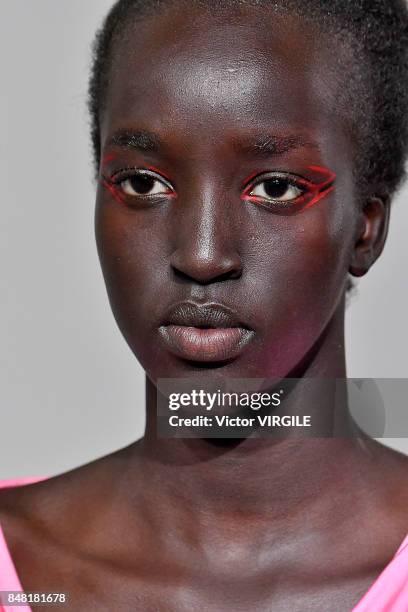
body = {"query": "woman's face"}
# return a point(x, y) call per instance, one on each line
point(226, 182)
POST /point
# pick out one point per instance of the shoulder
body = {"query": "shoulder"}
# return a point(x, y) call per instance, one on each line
point(381, 498)
point(386, 472)
point(49, 498)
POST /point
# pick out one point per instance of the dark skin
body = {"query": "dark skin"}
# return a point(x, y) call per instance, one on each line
point(291, 524)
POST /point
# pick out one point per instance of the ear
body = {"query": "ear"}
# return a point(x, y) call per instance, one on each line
point(372, 234)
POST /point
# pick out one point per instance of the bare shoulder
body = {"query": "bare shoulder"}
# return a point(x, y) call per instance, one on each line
point(384, 488)
point(50, 498)
point(388, 467)
point(52, 527)
point(390, 460)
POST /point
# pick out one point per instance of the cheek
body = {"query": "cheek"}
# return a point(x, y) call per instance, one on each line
point(302, 272)
point(319, 250)
point(132, 256)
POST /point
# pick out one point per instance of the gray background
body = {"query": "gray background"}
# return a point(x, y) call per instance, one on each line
point(70, 390)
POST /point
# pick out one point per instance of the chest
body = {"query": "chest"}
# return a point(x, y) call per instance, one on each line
point(92, 584)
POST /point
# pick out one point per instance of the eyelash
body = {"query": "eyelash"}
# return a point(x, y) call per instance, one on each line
point(292, 181)
point(124, 174)
point(310, 194)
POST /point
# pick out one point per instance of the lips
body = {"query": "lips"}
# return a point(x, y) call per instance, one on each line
point(210, 332)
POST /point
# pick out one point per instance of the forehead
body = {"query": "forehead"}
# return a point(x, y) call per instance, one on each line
point(225, 71)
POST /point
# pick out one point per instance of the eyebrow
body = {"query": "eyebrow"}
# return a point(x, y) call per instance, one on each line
point(140, 140)
point(260, 146)
point(265, 146)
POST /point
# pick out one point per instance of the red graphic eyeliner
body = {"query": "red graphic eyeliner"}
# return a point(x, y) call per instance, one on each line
point(250, 177)
point(157, 171)
point(314, 192)
point(113, 190)
point(321, 190)
point(113, 186)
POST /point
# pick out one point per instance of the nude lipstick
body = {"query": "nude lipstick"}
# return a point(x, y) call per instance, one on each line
point(204, 332)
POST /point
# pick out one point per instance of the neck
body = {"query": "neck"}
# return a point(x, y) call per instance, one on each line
point(197, 490)
point(269, 476)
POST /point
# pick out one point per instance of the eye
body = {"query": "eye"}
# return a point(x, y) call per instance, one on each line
point(276, 189)
point(142, 183)
point(288, 194)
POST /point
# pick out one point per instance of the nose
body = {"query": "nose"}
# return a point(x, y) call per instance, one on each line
point(206, 241)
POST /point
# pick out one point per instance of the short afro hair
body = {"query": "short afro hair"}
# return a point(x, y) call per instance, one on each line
point(378, 29)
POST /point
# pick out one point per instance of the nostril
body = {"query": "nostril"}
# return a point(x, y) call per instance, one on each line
point(206, 271)
point(230, 274)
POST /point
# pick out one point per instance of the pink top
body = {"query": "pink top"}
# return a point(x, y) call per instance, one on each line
point(389, 593)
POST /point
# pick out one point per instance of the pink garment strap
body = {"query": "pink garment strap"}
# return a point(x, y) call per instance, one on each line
point(9, 580)
point(389, 593)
